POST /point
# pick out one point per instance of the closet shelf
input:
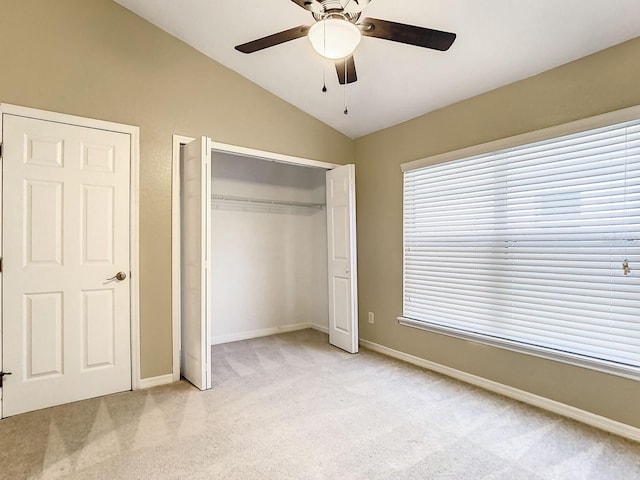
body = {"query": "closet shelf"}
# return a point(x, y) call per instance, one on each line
point(265, 201)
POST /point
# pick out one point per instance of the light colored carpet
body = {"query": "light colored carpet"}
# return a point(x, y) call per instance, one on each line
point(292, 407)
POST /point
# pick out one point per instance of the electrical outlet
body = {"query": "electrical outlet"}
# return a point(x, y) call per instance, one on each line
point(371, 318)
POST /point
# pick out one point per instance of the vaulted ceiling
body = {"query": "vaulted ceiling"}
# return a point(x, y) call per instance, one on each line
point(497, 43)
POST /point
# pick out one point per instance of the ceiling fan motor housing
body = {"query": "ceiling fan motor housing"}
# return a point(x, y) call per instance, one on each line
point(347, 9)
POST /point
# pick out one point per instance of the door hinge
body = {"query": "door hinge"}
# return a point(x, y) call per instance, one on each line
point(1, 149)
point(0, 264)
point(2, 374)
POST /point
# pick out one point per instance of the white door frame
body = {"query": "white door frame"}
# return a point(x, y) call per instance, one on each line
point(178, 141)
point(134, 206)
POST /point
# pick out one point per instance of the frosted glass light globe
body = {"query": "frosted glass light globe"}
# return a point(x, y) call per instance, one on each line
point(334, 38)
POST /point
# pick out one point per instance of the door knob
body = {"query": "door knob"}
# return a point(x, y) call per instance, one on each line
point(118, 276)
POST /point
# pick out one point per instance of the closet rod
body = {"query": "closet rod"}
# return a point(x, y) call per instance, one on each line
point(265, 201)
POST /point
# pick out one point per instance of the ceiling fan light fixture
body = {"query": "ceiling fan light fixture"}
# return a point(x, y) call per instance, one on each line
point(334, 38)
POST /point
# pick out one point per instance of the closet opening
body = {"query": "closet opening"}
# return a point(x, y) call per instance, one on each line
point(268, 248)
point(263, 243)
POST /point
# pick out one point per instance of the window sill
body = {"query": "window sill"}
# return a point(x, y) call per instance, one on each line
point(632, 373)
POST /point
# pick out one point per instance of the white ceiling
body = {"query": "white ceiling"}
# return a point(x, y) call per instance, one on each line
point(499, 42)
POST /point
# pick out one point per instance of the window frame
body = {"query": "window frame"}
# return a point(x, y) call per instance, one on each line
point(604, 120)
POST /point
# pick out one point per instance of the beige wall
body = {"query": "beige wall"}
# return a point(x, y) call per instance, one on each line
point(96, 59)
point(606, 81)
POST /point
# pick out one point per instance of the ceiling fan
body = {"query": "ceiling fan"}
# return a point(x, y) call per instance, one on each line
point(338, 30)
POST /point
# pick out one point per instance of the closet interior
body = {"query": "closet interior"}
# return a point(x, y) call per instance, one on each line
point(268, 248)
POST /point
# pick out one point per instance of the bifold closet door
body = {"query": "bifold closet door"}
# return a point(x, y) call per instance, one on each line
point(195, 245)
point(341, 246)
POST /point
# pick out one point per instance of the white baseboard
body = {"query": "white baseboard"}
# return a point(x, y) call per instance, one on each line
point(565, 410)
point(234, 337)
point(320, 328)
point(156, 381)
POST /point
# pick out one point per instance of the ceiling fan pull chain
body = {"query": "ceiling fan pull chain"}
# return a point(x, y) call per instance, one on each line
point(346, 82)
point(324, 38)
point(324, 80)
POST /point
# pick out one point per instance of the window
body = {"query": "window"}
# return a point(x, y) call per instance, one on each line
point(533, 247)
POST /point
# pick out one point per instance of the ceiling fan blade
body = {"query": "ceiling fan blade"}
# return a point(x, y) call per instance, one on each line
point(312, 5)
point(351, 70)
point(410, 34)
point(275, 39)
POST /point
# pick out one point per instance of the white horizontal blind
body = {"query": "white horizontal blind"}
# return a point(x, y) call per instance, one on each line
point(527, 245)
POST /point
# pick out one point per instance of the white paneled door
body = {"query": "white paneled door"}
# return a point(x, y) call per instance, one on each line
point(195, 194)
point(341, 244)
point(65, 257)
